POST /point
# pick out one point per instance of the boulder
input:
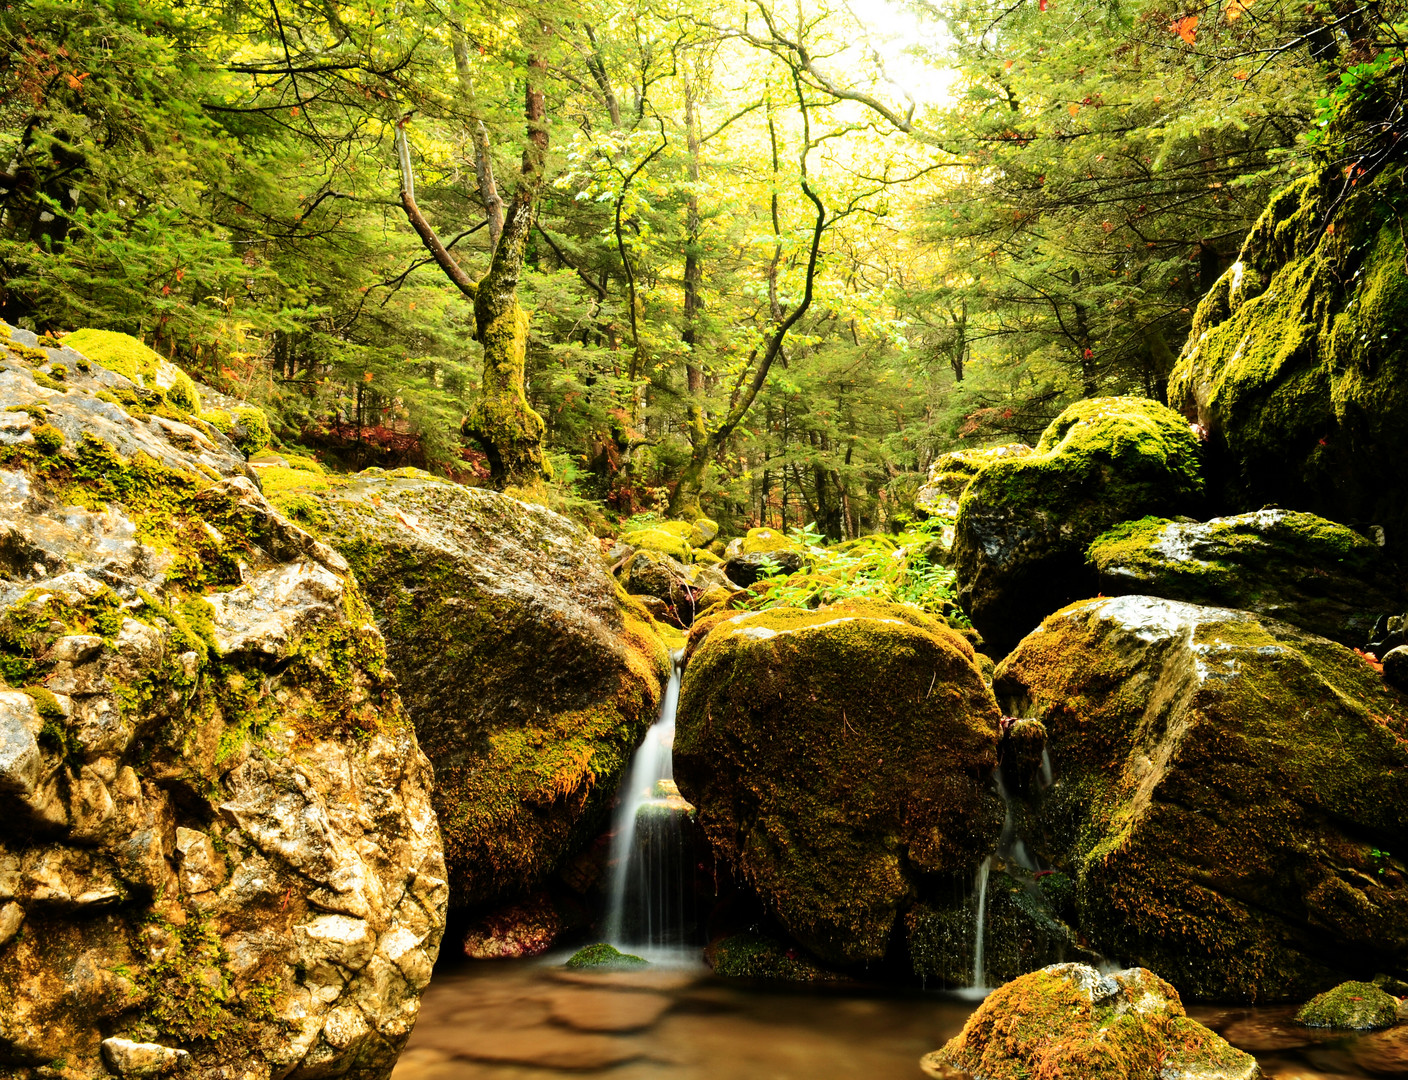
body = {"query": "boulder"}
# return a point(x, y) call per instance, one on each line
point(530, 675)
point(603, 957)
point(1296, 364)
point(1024, 523)
point(1299, 568)
point(756, 956)
point(525, 928)
point(951, 473)
point(839, 761)
point(1069, 1020)
point(684, 590)
point(761, 551)
point(1358, 1006)
point(219, 846)
point(1228, 795)
point(1396, 667)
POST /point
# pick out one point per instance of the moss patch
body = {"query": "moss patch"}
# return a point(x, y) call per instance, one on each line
point(1355, 1005)
point(603, 957)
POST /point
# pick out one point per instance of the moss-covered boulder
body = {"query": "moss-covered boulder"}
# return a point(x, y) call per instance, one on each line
point(951, 473)
point(1068, 1020)
point(761, 552)
point(1228, 796)
point(603, 957)
point(1359, 1006)
point(1024, 523)
point(1297, 361)
point(1295, 567)
point(219, 849)
point(839, 762)
point(681, 588)
point(127, 356)
point(756, 956)
point(530, 675)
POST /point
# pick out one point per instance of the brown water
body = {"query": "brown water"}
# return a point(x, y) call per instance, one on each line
point(529, 1020)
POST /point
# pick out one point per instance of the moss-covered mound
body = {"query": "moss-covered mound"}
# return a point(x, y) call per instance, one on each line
point(1024, 523)
point(759, 553)
point(218, 834)
point(1299, 568)
point(1297, 362)
point(1229, 794)
point(839, 761)
point(1069, 1021)
point(1358, 1006)
point(951, 473)
point(133, 360)
point(530, 676)
point(757, 956)
point(603, 957)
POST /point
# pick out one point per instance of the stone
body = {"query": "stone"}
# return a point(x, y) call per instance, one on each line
point(1396, 667)
point(839, 762)
point(1227, 794)
point(220, 835)
point(1299, 568)
point(128, 1058)
point(1358, 1006)
point(1295, 366)
point(602, 957)
point(683, 590)
point(529, 674)
point(1069, 1020)
point(606, 1010)
point(761, 551)
point(527, 928)
point(752, 955)
point(950, 474)
point(1024, 522)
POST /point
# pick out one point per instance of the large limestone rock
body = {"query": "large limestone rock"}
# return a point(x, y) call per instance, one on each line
point(219, 851)
point(839, 762)
point(529, 673)
point(1299, 568)
point(1069, 1020)
point(1229, 794)
point(1024, 523)
point(1296, 363)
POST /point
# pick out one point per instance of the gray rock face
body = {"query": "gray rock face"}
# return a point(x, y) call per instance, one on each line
point(219, 846)
point(529, 674)
point(1299, 568)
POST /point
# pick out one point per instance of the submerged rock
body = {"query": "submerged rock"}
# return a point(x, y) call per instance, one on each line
point(529, 674)
point(1068, 1020)
point(603, 957)
point(1229, 794)
point(219, 846)
point(1299, 568)
point(839, 760)
point(1024, 523)
point(1359, 1006)
point(1296, 364)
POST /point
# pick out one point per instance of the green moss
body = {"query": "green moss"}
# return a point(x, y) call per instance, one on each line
point(48, 439)
point(756, 956)
point(658, 538)
point(36, 411)
point(1354, 1005)
point(48, 382)
point(250, 429)
point(760, 541)
point(121, 354)
point(603, 957)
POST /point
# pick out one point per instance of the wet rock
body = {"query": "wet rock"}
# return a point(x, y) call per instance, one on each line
point(1068, 1020)
point(206, 761)
point(1226, 794)
point(1024, 524)
point(760, 552)
point(1396, 667)
point(602, 957)
point(527, 928)
point(757, 956)
point(128, 1058)
point(951, 473)
point(839, 760)
point(606, 1010)
point(1295, 365)
point(1299, 568)
point(683, 591)
point(529, 675)
point(1356, 1005)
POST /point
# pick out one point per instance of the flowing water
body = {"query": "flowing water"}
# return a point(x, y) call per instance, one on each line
point(535, 1020)
point(651, 855)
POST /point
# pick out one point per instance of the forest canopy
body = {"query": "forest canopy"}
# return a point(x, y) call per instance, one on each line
point(759, 258)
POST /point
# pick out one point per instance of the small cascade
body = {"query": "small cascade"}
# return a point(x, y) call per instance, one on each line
point(980, 981)
point(651, 858)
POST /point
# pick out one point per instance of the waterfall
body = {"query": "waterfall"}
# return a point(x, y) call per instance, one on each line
point(979, 972)
point(650, 854)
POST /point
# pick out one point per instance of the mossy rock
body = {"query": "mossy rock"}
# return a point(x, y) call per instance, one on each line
point(763, 958)
point(1302, 569)
point(1069, 1020)
point(1358, 1006)
point(604, 957)
point(1229, 794)
point(839, 762)
point(128, 357)
point(530, 674)
point(703, 532)
point(951, 473)
point(1024, 523)
point(1297, 362)
point(662, 539)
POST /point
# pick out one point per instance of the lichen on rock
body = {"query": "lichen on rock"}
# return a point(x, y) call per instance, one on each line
point(1359, 1006)
point(1024, 523)
point(839, 761)
point(220, 842)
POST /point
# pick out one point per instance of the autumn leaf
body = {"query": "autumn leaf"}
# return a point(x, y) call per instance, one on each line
point(1042, 5)
point(1186, 28)
point(1073, 109)
point(1240, 75)
point(367, 376)
point(1234, 9)
point(75, 79)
